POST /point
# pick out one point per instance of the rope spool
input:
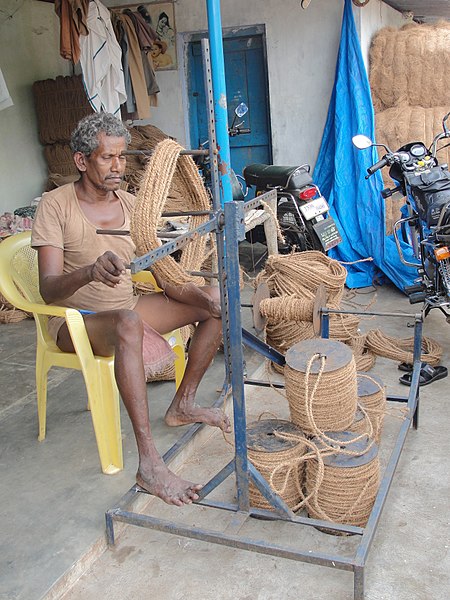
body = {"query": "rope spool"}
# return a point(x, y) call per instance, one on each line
point(361, 424)
point(287, 308)
point(277, 459)
point(149, 205)
point(372, 396)
point(348, 482)
point(402, 349)
point(320, 379)
point(301, 273)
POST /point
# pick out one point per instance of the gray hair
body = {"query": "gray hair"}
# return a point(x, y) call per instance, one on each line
point(84, 138)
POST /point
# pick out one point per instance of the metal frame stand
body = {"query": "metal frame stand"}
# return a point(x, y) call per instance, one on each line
point(227, 220)
point(229, 226)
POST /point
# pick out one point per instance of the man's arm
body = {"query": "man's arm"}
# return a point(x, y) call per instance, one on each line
point(56, 286)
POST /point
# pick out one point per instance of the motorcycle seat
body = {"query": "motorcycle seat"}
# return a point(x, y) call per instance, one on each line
point(270, 176)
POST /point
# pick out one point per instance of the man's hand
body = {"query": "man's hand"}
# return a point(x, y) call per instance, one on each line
point(108, 269)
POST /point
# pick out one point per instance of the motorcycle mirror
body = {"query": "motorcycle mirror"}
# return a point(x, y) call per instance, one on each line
point(361, 142)
point(241, 109)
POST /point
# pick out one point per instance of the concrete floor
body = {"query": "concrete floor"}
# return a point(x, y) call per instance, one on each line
point(53, 497)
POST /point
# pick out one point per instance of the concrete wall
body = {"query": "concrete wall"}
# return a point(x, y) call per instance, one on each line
point(29, 51)
point(301, 53)
point(370, 19)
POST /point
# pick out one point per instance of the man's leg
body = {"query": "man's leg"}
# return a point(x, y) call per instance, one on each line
point(120, 333)
point(164, 315)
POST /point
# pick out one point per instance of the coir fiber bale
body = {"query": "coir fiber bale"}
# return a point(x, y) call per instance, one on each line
point(60, 103)
point(60, 159)
point(409, 65)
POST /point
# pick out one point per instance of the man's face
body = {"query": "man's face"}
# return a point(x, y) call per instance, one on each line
point(105, 167)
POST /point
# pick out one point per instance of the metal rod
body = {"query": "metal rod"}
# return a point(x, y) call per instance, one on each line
point(220, 98)
point(221, 538)
point(150, 152)
point(193, 213)
point(336, 311)
point(274, 384)
point(234, 219)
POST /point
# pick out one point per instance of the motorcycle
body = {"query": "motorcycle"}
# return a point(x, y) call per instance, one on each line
point(425, 222)
point(302, 211)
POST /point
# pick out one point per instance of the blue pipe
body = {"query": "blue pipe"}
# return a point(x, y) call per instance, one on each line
point(220, 98)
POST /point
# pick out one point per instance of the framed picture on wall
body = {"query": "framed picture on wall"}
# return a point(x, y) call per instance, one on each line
point(161, 17)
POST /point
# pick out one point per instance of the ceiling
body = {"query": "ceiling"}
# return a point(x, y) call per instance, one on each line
point(425, 11)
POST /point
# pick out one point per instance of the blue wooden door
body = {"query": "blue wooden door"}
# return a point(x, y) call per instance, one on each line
point(246, 81)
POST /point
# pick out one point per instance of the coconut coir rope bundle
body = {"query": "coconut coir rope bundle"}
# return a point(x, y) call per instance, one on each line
point(402, 349)
point(151, 201)
point(372, 397)
point(300, 274)
point(321, 398)
point(345, 494)
point(415, 81)
point(282, 468)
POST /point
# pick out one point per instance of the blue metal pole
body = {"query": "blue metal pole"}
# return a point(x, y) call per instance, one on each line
point(220, 98)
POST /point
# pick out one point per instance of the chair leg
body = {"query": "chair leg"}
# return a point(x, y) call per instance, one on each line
point(42, 369)
point(180, 363)
point(103, 398)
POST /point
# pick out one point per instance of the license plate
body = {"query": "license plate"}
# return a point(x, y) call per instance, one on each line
point(313, 208)
point(328, 233)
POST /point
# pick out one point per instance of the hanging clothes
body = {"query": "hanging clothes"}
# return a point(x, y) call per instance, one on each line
point(129, 109)
point(73, 23)
point(101, 62)
point(146, 41)
point(136, 69)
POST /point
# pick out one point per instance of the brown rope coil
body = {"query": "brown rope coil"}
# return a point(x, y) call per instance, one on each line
point(301, 273)
point(150, 202)
point(283, 469)
point(402, 349)
point(324, 400)
point(345, 495)
point(373, 401)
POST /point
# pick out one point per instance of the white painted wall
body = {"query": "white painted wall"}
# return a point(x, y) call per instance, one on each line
point(372, 17)
point(29, 51)
point(302, 48)
point(301, 52)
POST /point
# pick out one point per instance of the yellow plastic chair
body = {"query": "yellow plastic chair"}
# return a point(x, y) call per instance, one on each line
point(19, 271)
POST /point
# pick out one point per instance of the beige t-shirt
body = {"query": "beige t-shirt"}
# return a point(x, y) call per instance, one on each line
point(61, 223)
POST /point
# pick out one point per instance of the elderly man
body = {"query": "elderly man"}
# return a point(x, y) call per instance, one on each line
point(84, 270)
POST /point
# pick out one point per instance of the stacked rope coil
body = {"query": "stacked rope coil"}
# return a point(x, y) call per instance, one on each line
point(150, 202)
point(321, 389)
point(300, 274)
point(372, 398)
point(293, 282)
point(278, 458)
point(342, 485)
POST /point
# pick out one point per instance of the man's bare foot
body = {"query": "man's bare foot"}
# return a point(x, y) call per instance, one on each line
point(161, 482)
point(197, 414)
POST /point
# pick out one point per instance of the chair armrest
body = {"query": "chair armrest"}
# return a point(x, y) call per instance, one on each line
point(146, 277)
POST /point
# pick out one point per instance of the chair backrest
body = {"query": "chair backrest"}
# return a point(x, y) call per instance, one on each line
point(19, 268)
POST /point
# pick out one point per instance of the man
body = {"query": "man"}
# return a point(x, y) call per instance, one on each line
point(82, 269)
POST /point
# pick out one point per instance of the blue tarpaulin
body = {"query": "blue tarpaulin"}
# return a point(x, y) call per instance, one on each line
point(356, 203)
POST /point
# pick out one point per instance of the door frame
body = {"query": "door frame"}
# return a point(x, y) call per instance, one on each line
point(183, 61)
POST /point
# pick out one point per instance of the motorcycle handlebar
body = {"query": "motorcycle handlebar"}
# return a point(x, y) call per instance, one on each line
point(232, 132)
point(377, 166)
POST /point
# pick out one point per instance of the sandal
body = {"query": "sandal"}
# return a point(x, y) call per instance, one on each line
point(428, 374)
